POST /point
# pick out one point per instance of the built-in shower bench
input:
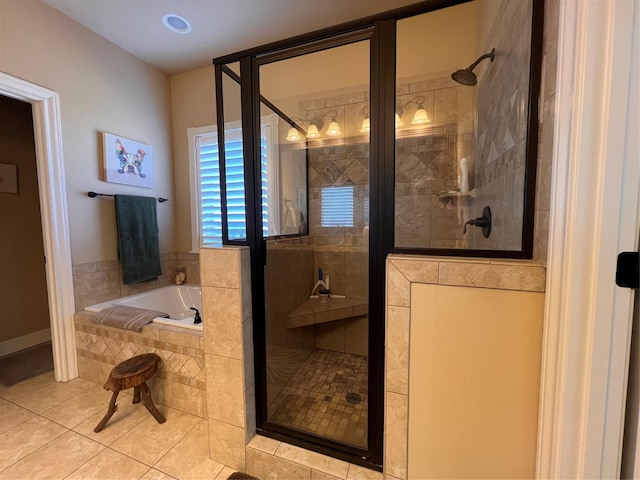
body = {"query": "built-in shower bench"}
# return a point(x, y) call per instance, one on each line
point(313, 311)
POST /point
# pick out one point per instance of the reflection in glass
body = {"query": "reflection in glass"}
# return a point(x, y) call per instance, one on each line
point(234, 166)
point(316, 276)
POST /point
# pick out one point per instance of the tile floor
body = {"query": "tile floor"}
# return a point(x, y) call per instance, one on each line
point(46, 432)
point(328, 397)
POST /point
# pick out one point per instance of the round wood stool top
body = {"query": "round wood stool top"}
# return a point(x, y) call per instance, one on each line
point(132, 372)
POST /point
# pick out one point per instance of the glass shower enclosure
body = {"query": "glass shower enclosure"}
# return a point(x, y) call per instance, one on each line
point(357, 142)
point(316, 221)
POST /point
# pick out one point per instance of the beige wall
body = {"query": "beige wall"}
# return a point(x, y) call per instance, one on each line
point(193, 93)
point(473, 402)
point(193, 104)
point(102, 88)
point(445, 41)
point(23, 288)
point(488, 10)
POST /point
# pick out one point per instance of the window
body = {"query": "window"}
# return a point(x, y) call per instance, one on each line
point(210, 203)
point(337, 207)
point(205, 183)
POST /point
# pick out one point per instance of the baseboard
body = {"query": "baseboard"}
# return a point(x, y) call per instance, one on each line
point(20, 343)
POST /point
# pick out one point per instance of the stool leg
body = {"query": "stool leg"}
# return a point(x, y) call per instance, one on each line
point(146, 399)
point(136, 395)
point(112, 409)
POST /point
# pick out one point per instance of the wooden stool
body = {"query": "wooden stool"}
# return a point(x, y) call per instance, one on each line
point(133, 372)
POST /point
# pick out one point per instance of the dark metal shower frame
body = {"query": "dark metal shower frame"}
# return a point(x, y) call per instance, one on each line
point(382, 194)
point(371, 456)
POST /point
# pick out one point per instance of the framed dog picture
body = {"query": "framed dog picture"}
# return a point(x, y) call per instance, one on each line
point(127, 161)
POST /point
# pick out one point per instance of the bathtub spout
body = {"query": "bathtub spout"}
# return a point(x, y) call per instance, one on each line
point(197, 318)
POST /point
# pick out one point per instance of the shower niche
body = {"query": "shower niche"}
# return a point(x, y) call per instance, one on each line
point(359, 141)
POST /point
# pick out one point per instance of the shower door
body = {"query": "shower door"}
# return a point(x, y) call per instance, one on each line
point(315, 222)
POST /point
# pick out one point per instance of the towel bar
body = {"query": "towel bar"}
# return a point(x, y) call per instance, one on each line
point(94, 194)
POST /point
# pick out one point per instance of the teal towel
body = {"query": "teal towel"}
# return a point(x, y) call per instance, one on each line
point(138, 245)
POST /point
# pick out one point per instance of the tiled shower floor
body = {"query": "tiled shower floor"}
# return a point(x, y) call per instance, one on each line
point(327, 396)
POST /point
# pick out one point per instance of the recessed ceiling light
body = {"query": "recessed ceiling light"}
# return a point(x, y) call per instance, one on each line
point(176, 23)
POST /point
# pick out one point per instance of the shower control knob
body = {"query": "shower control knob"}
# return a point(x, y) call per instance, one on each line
point(483, 222)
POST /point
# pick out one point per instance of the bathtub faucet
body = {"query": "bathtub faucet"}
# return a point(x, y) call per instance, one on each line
point(196, 319)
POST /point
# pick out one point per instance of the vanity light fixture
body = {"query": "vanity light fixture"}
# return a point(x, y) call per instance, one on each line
point(312, 131)
point(176, 23)
point(333, 130)
point(316, 124)
point(366, 125)
point(366, 121)
point(293, 135)
point(420, 116)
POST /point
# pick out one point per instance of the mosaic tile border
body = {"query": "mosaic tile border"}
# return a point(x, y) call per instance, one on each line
point(182, 366)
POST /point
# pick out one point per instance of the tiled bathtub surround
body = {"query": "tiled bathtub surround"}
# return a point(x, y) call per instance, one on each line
point(97, 282)
point(180, 380)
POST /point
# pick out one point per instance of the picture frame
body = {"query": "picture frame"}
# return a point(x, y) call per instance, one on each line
point(8, 178)
point(126, 161)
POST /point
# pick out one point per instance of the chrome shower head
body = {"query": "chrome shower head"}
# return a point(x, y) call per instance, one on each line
point(466, 76)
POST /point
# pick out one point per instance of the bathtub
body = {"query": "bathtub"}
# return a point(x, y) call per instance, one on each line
point(173, 299)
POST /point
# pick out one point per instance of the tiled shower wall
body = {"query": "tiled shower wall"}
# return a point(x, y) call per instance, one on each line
point(339, 166)
point(502, 126)
point(429, 212)
point(545, 133)
point(97, 282)
point(290, 275)
point(288, 282)
point(426, 165)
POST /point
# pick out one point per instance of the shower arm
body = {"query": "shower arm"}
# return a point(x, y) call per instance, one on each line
point(490, 55)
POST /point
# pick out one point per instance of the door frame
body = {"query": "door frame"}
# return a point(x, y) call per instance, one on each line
point(588, 319)
point(55, 221)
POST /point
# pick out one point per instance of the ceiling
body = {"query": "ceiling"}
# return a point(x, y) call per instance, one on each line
point(220, 27)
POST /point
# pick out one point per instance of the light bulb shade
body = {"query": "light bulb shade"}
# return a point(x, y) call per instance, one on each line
point(312, 131)
point(420, 117)
point(293, 135)
point(366, 125)
point(333, 130)
point(398, 121)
